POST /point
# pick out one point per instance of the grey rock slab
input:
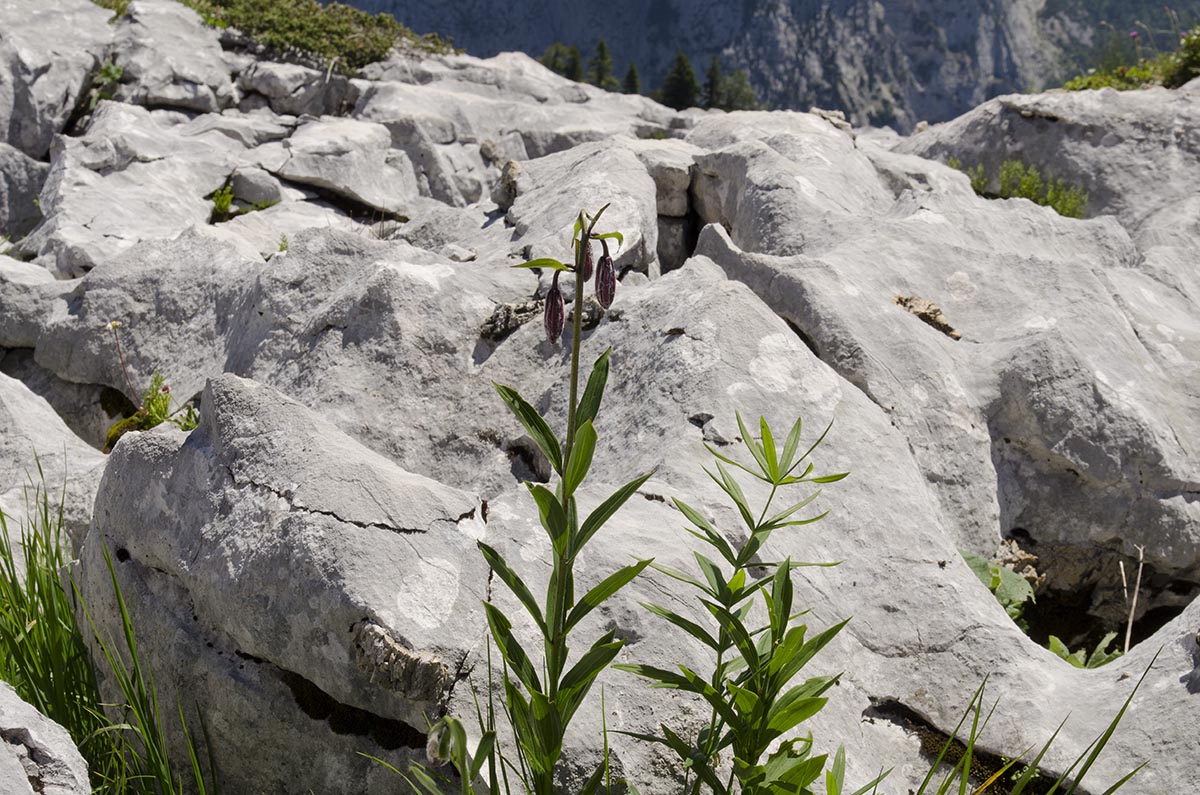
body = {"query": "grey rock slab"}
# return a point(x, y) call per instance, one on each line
point(89, 410)
point(37, 754)
point(35, 435)
point(1006, 421)
point(1134, 152)
point(135, 175)
point(318, 611)
point(171, 58)
point(272, 229)
point(47, 56)
point(552, 190)
point(295, 89)
point(670, 164)
point(350, 158)
point(21, 179)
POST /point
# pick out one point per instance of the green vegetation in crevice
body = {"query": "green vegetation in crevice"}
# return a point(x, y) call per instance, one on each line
point(1019, 180)
point(344, 37)
point(226, 207)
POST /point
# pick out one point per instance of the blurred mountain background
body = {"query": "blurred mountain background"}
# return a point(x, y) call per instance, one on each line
point(883, 62)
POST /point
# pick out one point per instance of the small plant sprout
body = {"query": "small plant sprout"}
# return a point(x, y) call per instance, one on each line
point(155, 408)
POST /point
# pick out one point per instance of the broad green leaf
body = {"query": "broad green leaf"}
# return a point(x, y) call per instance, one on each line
point(578, 681)
point(606, 588)
point(514, 655)
point(793, 665)
point(605, 511)
point(537, 428)
point(686, 680)
point(592, 785)
point(547, 726)
point(482, 753)
point(514, 583)
point(544, 262)
point(589, 404)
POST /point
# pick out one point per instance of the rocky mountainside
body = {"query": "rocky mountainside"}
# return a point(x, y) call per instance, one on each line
point(324, 263)
point(883, 62)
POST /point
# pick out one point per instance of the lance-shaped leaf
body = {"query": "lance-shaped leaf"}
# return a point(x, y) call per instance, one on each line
point(580, 460)
point(755, 449)
point(514, 583)
point(687, 680)
point(606, 588)
point(620, 238)
point(537, 428)
point(715, 539)
point(605, 511)
point(514, 655)
point(552, 516)
point(596, 218)
point(687, 625)
point(575, 685)
point(589, 404)
point(544, 262)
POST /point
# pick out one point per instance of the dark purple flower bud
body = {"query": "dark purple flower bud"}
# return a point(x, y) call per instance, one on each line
point(555, 316)
point(587, 260)
point(606, 280)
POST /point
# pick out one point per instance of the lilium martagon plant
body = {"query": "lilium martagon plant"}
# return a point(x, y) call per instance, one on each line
point(542, 696)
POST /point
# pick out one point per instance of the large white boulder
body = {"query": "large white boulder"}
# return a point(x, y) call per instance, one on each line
point(37, 755)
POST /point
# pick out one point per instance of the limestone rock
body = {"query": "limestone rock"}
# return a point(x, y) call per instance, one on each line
point(330, 630)
point(294, 89)
point(350, 158)
point(170, 58)
point(21, 179)
point(47, 56)
point(37, 755)
point(136, 175)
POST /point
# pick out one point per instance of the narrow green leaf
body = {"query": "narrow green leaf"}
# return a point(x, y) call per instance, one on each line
point(755, 449)
point(768, 444)
point(589, 404)
point(513, 653)
point(606, 588)
point(581, 459)
point(835, 777)
point(544, 262)
point(552, 516)
point(596, 218)
point(514, 583)
point(610, 235)
point(690, 627)
point(537, 428)
point(789, 447)
point(605, 511)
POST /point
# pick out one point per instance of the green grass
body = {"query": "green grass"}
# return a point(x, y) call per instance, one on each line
point(44, 656)
point(1169, 69)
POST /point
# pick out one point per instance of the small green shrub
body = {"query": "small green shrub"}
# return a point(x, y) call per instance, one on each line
point(1017, 180)
point(222, 202)
point(104, 84)
point(118, 7)
point(283, 241)
point(156, 403)
point(345, 37)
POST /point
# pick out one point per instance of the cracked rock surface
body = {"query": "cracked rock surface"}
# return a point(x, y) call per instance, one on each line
point(36, 754)
point(303, 566)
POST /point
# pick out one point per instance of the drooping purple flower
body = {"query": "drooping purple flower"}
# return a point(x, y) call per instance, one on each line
point(555, 316)
point(587, 260)
point(606, 279)
point(1133, 34)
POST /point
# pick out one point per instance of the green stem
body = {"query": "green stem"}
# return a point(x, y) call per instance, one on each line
point(576, 333)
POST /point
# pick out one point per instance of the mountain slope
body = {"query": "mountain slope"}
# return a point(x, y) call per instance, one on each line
point(882, 61)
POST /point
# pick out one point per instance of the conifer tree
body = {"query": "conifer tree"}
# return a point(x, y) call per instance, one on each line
point(712, 85)
point(632, 84)
point(680, 87)
point(574, 65)
point(737, 93)
point(600, 68)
